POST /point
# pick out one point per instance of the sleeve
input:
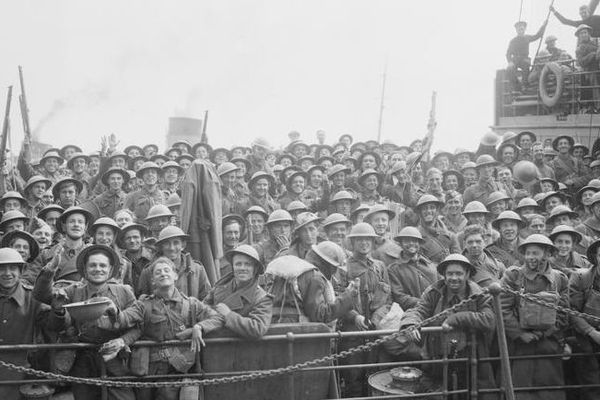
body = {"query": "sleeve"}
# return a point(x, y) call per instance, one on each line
point(209, 319)
point(566, 21)
point(509, 304)
point(424, 309)
point(132, 315)
point(210, 298)
point(256, 324)
point(480, 320)
point(204, 284)
point(24, 162)
point(538, 34)
point(593, 5)
point(509, 53)
point(315, 303)
point(577, 301)
point(399, 295)
point(454, 245)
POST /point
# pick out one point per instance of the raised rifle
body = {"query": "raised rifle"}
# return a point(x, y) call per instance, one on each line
point(428, 140)
point(5, 128)
point(24, 108)
point(204, 138)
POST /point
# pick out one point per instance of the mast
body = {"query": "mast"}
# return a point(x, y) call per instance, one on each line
point(381, 106)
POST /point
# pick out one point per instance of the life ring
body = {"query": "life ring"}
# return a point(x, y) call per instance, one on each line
point(547, 99)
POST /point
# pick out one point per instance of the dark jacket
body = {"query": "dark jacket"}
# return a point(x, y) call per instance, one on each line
point(409, 279)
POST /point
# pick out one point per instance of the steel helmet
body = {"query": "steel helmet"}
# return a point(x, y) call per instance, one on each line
point(66, 181)
point(361, 207)
point(172, 164)
point(399, 166)
point(104, 221)
point(508, 135)
point(9, 256)
point(170, 232)
point(146, 166)
point(489, 139)
point(342, 195)
point(115, 170)
point(261, 175)
point(560, 195)
point(378, 208)
point(226, 220)
point(362, 230)
point(428, 198)
point(456, 259)
point(592, 251)
point(256, 210)
point(585, 149)
point(581, 28)
point(561, 210)
point(249, 251)
point(508, 216)
point(460, 150)
point(568, 230)
point(485, 160)
point(409, 232)
point(114, 259)
point(527, 202)
point(279, 216)
point(368, 172)
point(296, 205)
point(304, 219)
point(226, 168)
point(335, 218)
point(13, 195)
point(505, 145)
point(538, 240)
point(34, 248)
point(35, 179)
point(595, 199)
point(331, 253)
point(157, 211)
point(495, 197)
point(337, 168)
point(129, 227)
point(475, 207)
point(173, 201)
point(468, 165)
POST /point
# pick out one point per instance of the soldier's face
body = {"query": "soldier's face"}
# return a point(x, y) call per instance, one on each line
point(428, 213)
point(261, 187)
point(12, 204)
point(474, 245)
point(451, 182)
point(477, 219)
point(122, 218)
point(229, 179)
point(51, 218)
point(584, 13)
point(281, 228)
point(104, 235)
point(380, 222)
point(578, 153)
point(118, 162)
point(37, 190)
point(67, 195)
point(201, 153)
point(257, 223)
point(508, 230)
point(337, 233)
point(534, 256)
point(171, 175)
point(368, 161)
point(362, 245)
point(115, 181)
point(339, 179)
point(243, 268)
point(552, 202)
point(172, 248)
point(75, 226)
point(51, 165)
point(410, 245)
point(159, 223)
point(133, 240)
point(79, 165)
point(564, 244)
point(456, 277)
point(163, 275)
point(9, 276)
point(43, 236)
point(586, 197)
point(98, 268)
point(308, 234)
point(343, 207)
point(470, 176)
point(497, 207)
point(150, 177)
point(371, 182)
point(22, 247)
point(537, 225)
point(231, 234)
point(297, 184)
point(17, 225)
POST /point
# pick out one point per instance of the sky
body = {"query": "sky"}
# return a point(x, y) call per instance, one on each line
point(261, 68)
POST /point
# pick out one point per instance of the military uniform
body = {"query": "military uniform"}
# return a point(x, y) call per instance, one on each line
point(487, 269)
point(138, 264)
point(268, 250)
point(160, 319)
point(191, 279)
point(481, 191)
point(110, 202)
point(251, 308)
point(67, 270)
point(439, 242)
point(409, 278)
point(508, 256)
point(141, 201)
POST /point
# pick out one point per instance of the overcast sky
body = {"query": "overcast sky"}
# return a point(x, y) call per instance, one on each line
point(261, 68)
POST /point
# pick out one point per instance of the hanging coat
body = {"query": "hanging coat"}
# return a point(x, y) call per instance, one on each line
point(201, 215)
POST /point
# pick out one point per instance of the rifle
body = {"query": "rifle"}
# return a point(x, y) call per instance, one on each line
point(5, 128)
point(428, 140)
point(24, 108)
point(203, 137)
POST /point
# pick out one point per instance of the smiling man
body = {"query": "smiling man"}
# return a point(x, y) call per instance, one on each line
point(439, 241)
point(149, 194)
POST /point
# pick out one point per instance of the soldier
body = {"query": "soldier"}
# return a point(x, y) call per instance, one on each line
point(34, 190)
point(517, 54)
point(98, 265)
point(191, 275)
point(66, 192)
point(260, 184)
point(158, 218)
point(592, 224)
point(113, 199)
point(439, 241)
point(477, 317)
point(540, 162)
point(169, 314)
point(78, 163)
point(131, 240)
point(149, 194)
point(12, 201)
point(384, 249)
point(279, 226)
point(487, 268)
point(337, 227)
point(506, 248)
point(305, 234)
point(21, 314)
point(256, 218)
point(49, 163)
point(568, 170)
point(245, 307)
point(533, 329)
point(171, 173)
point(412, 272)
point(13, 221)
point(566, 259)
point(233, 227)
point(486, 184)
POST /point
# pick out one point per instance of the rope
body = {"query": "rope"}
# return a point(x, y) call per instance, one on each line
point(246, 377)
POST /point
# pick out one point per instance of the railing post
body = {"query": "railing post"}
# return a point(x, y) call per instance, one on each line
point(445, 364)
point(509, 393)
point(290, 346)
point(474, 365)
point(103, 375)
